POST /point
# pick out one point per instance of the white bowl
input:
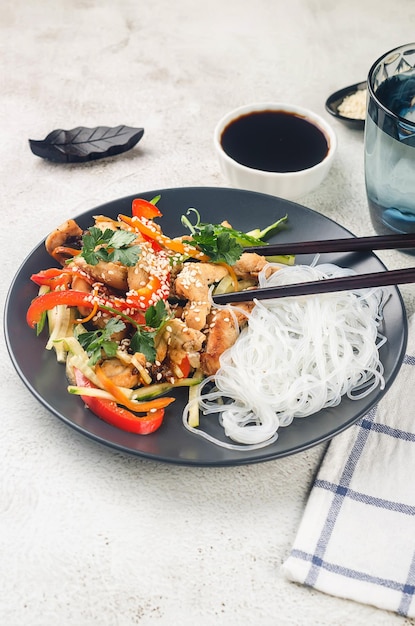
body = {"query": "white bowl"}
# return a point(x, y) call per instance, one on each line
point(291, 184)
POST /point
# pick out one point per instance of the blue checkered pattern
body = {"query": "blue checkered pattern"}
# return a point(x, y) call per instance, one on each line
point(357, 536)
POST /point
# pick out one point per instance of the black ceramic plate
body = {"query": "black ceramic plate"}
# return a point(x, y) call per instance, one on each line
point(45, 378)
point(334, 101)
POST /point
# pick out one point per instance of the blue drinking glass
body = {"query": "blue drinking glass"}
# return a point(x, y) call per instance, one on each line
point(390, 142)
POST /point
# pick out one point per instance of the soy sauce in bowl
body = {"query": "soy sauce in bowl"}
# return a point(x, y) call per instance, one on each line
point(274, 141)
point(274, 147)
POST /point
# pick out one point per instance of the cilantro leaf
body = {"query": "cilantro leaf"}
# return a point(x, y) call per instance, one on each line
point(96, 341)
point(121, 239)
point(156, 314)
point(91, 240)
point(219, 244)
point(109, 245)
point(128, 256)
point(223, 243)
point(143, 341)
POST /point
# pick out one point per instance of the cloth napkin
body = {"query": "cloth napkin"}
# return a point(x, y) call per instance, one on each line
point(356, 539)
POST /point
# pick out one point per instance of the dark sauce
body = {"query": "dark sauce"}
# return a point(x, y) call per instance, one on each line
point(274, 141)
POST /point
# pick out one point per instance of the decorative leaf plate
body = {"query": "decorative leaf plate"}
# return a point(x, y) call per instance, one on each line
point(86, 144)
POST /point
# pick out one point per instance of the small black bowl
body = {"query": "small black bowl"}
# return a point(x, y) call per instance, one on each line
point(334, 101)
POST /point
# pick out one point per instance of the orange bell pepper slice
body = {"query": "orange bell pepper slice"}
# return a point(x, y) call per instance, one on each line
point(175, 245)
point(133, 405)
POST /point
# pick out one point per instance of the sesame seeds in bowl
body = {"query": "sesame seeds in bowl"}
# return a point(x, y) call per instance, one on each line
point(348, 105)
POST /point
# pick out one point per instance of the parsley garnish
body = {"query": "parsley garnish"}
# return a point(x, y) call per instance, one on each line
point(224, 244)
point(109, 245)
point(156, 314)
point(218, 244)
point(143, 339)
point(221, 243)
point(96, 341)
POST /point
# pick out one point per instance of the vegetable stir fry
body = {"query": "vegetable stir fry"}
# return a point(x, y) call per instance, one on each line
point(129, 310)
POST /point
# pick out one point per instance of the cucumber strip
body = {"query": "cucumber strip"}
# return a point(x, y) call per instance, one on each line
point(193, 417)
point(158, 389)
point(90, 391)
point(61, 325)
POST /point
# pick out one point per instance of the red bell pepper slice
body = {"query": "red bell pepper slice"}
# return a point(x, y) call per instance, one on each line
point(48, 301)
point(121, 418)
point(185, 366)
point(143, 208)
point(71, 297)
point(156, 246)
point(52, 277)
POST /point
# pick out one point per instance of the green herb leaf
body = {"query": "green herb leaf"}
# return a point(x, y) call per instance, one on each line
point(143, 341)
point(224, 244)
point(156, 314)
point(219, 244)
point(109, 245)
point(96, 341)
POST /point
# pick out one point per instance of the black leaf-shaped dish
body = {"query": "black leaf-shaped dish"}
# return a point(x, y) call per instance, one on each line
point(83, 144)
point(334, 101)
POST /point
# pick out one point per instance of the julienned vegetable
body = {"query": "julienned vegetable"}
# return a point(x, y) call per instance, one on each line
point(130, 312)
point(110, 412)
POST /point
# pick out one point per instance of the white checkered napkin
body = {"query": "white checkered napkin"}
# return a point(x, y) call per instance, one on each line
point(356, 539)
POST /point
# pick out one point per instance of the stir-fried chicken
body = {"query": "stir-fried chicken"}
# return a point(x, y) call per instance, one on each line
point(112, 274)
point(178, 341)
point(249, 265)
point(120, 373)
point(223, 330)
point(193, 284)
point(197, 332)
point(137, 277)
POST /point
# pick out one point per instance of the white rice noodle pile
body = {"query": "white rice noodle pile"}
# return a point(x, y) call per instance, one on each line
point(295, 357)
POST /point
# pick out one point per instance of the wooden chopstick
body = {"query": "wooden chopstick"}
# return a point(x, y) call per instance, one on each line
point(349, 244)
point(344, 283)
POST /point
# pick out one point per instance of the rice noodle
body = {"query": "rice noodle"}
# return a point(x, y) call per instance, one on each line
point(295, 357)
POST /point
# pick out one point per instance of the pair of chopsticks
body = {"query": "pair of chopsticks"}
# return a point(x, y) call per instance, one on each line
point(344, 283)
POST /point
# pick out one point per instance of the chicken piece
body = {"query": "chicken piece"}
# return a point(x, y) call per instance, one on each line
point(249, 265)
point(192, 284)
point(221, 335)
point(177, 341)
point(65, 235)
point(137, 277)
point(112, 274)
point(120, 373)
point(104, 223)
